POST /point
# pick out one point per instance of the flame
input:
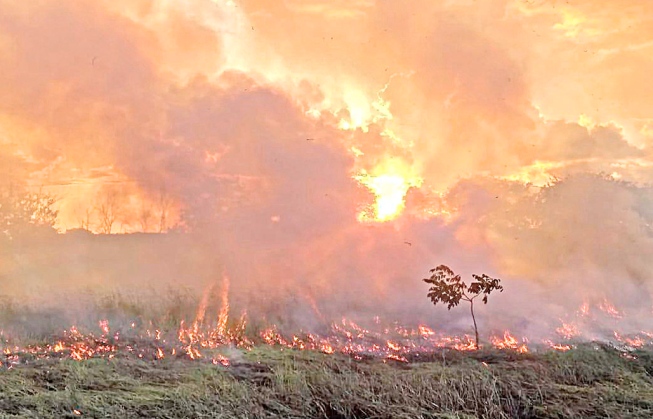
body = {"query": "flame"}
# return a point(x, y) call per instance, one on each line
point(346, 337)
point(203, 342)
point(389, 182)
point(393, 345)
point(509, 342)
point(466, 344)
point(201, 309)
point(425, 331)
point(104, 326)
point(568, 330)
point(223, 317)
point(537, 173)
point(634, 342)
point(608, 308)
point(390, 179)
point(558, 346)
point(222, 360)
point(359, 109)
point(389, 191)
point(397, 358)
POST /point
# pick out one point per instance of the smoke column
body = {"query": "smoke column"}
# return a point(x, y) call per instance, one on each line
point(334, 151)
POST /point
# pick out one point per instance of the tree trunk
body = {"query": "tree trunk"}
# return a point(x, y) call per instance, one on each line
point(471, 305)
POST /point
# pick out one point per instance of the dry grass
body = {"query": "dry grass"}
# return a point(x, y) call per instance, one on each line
point(591, 381)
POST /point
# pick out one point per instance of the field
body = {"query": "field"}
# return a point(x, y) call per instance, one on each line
point(123, 369)
point(591, 380)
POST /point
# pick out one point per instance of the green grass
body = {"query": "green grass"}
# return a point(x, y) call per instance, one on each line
point(590, 381)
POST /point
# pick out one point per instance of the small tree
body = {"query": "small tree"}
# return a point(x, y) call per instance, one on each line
point(448, 288)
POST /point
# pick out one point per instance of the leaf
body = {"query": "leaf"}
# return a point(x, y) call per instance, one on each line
point(449, 289)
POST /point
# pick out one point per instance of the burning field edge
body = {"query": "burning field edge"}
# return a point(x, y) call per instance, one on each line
point(208, 359)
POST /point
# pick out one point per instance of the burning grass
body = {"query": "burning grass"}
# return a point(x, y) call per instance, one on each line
point(183, 327)
point(205, 359)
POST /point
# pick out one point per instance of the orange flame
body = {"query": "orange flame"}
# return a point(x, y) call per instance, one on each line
point(223, 317)
point(509, 342)
point(389, 182)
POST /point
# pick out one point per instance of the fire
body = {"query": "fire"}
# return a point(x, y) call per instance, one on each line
point(568, 330)
point(104, 326)
point(425, 331)
point(509, 342)
point(635, 342)
point(467, 344)
point(203, 341)
point(558, 346)
point(608, 308)
point(393, 345)
point(205, 344)
point(223, 317)
point(360, 111)
point(390, 179)
point(389, 182)
point(326, 348)
point(397, 358)
point(221, 360)
point(389, 191)
point(201, 309)
point(537, 174)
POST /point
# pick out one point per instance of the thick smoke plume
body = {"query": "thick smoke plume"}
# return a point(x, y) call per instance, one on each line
point(325, 155)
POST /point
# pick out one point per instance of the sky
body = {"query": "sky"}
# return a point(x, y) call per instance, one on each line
point(510, 136)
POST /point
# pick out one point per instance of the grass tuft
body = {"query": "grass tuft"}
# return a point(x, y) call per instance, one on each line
point(590, 381)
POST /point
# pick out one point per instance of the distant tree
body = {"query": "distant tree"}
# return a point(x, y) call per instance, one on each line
point(108, 212)
point(85, 221)
point(449, 289)
point(145, 217)
point(23, 213)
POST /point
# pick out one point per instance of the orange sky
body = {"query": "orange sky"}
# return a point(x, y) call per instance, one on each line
point(335, 140)
point(139, 98)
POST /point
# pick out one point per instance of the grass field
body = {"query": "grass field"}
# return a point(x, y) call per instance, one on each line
point(591, 380)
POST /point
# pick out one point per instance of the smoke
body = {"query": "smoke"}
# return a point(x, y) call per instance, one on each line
point(521, 132)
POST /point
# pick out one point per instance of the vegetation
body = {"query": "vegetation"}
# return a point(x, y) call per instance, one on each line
point(448, 288)
point(22, 213)
point(590, 381)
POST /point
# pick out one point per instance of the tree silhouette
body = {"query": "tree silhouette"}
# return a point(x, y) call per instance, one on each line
point(24, 213)
point(449, 289)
